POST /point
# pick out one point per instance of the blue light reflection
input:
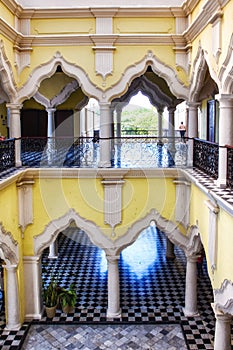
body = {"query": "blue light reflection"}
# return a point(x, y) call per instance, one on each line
point(141, 255)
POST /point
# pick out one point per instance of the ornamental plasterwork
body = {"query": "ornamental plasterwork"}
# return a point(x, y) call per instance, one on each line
point(7, 77)
point(52, 230)
point(58, 99)
point(138, 68)
point(216, 22)
point(225, 74)
point(223, 298)
point(9, 247)
point(25, 205)
point(213, 233)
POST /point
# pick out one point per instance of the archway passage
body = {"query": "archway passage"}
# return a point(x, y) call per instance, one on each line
point(151, 287)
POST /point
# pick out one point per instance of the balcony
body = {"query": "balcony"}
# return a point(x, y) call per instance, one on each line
point(127, 152)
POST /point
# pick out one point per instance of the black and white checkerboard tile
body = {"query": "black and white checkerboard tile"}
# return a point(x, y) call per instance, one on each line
point(152, 288)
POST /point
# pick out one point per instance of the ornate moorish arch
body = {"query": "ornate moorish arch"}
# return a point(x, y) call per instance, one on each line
point(6, 76)
point(191, 244)
point(52, 230)
point(225, 74)
point(46, 70)
point(9, 252)
point(138, 68)
point(200, 66)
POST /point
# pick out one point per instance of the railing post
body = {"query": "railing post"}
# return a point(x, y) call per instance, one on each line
point(15, 130)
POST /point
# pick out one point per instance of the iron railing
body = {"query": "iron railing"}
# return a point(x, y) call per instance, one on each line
point(230, 166)
point(7, 154)
point(205, 157)
point(137, 151)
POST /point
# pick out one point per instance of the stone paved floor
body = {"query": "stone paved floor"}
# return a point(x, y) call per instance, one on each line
point(114, 337)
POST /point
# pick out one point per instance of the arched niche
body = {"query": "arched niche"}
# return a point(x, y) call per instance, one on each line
point(136, 69)
point(201, 67)
point(46, 70)
point(52, 230)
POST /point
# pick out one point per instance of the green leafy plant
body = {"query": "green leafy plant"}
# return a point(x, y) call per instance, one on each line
point(68, 297)
point(50, 293)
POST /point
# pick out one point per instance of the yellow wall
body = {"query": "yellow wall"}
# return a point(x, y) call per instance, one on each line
point(144, 25)
point(6, 15)
point(63, 26)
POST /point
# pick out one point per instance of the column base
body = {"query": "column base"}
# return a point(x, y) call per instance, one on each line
point(13, 328)
point(189, 313)
point(104, 164)
point(221, 183)
point(114, 314)
point(29, 317)
point(18, 164)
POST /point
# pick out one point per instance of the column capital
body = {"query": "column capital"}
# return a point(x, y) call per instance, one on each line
point(171, 109)
point(51, 109)
point(112, 258)
point(192, 258)
point(17, 106)
point(225, 100)
point(193, 105)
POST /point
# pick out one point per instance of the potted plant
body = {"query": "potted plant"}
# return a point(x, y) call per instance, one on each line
point(67, 298)
point(50, 297)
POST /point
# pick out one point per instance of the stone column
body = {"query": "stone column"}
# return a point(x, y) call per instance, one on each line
point(170, 255)
point(114, 310)
point(53, 250)
point(50, 133)
point(15, 130)
point(222, 339)
point(192, 129)
point(105, 135)
point(190, 309)
point(12, 298)
point(225, 135)
point(171, 130)
point(160, 124)
point(118, 120)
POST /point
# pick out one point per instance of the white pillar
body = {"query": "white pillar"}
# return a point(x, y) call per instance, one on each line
point(77, 123)
point(192, 129)
point(114, 310)
point(170, 250)
point(225, 135)
point(190, 309)
point(32, 287)
point(12, 298)
point(160, 123)
point(105, 134)
point(50, 133)
point(222, 339)
point(171, 129)
point(15, 130)
point(118, 121)
point(53, 250)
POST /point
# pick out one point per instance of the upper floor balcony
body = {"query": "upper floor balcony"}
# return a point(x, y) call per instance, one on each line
point(126, 152)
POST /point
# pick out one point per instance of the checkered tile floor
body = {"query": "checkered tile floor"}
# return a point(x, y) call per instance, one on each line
point(152, 289)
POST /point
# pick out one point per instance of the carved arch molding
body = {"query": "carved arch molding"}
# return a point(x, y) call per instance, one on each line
point(191, 244)
point(9, 250)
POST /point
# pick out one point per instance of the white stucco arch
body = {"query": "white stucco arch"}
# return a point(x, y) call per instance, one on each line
point(46, 70)
point(136, 69)
point(6, 76)
point(9, 250)
point(226, 71)
point(52, 230)
point(200, 66)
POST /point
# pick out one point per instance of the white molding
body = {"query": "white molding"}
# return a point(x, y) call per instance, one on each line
point(25, 203)
point(138, 68)
point(7, 76)
point(47, 69)
point(9, 249)
point(213, 233)
point(223, 298)
point(216, 22)
point(52, 230)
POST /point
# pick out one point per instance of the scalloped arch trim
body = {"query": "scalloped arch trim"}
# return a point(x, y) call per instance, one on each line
point(9, 250)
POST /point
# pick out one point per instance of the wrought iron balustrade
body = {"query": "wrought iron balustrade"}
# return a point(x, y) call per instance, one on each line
point(230, 166)
point(137, 151)
point(205, 157)
point(7, 154)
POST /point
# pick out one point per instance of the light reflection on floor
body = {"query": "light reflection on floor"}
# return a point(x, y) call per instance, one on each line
point(140, 255)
